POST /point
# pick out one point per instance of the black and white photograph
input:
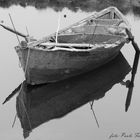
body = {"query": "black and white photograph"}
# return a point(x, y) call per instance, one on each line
point(69, 69)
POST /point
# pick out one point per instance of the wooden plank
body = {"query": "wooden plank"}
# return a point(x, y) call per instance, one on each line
point(67, 44)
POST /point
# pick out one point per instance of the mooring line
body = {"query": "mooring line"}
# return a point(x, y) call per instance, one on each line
point(14, 121)
point(91, 105)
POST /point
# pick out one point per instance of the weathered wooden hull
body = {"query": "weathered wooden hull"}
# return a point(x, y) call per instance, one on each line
point(54, 65)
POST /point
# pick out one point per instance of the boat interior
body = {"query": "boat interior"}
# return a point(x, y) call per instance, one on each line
point(105, 27)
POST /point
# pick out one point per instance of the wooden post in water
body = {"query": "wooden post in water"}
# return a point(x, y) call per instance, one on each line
point(134, 69)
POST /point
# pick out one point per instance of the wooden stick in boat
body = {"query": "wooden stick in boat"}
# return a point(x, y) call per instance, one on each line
point(67, 44)
point(134, 69)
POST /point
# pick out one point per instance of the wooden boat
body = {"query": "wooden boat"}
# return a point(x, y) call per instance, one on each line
point(35, 107)
point(76, 49)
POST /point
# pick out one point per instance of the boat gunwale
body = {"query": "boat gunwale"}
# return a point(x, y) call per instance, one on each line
point(72, 45)
point(90, 47)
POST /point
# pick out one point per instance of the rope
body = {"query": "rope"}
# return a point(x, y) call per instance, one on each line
point(14, 121)
point(91, 105)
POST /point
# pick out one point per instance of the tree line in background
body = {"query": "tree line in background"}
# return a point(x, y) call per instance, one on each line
point(124, 6)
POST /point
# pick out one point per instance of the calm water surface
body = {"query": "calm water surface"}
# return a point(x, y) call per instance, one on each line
point(79, 124)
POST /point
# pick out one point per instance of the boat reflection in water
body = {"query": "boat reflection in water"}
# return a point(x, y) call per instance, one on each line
point(41, 103)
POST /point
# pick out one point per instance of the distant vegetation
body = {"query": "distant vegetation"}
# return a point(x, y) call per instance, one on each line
point(86, 5)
